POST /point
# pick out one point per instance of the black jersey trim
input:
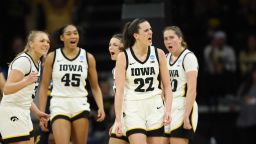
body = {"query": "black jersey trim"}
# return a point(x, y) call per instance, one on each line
point(134, 56)
point(124, 138)
point(184, 59)
point(86, 56)
point(158, 77)
point(157, 56)
point(54, 57)
point(17, 139)
point(32, 133)
point(127, 60)
point(83, 114)
point(37, 66)
point(18, 58)
point(157, 132)
point(137, 130)
point(69, 58)
point(170, 60)
point(60, 116)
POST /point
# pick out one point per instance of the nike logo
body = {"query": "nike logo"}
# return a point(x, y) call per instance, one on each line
point(158, 107)
point(132, 63)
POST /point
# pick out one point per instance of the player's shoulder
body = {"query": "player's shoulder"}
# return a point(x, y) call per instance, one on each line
point(189, 53)
point(23, 58)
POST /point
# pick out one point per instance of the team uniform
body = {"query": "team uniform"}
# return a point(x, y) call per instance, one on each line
point(69, 95)
point(186, 62)
point(15, 121)
point(143, 107)
point(113, 133)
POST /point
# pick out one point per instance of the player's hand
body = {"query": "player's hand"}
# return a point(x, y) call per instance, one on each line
point(110, 131)
point(101, 115)
point(167, 118)
point(40, 115)
point(32, 78)
point(118, 129)
point(43, 123)
point(187, 124)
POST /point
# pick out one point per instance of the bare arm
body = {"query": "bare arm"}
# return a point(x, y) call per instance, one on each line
point(119, 81)
point(191, 67)
point(34, 108)
point(93, 79)
point(191, 92)
point(165, 77)
point(46, 78)
point(2, 81)
point(16, 81)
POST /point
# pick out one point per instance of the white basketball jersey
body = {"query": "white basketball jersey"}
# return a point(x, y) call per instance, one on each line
point(69, 75)
point(23, 97)
point(142, 78)
point(177, 72)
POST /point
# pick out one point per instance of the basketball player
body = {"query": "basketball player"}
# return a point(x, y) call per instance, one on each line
point(15, 123)
point(183, 69)
point(139, 72)
point(115, 46)
point(69, 67)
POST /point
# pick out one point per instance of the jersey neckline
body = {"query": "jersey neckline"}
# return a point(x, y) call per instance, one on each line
point(69, 58)
point(134, 56)
point(170, 60)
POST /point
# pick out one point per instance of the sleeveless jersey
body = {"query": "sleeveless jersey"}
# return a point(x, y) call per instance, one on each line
point(177, 72)
point(142, 78)
point(69, 75)
point(24, 97)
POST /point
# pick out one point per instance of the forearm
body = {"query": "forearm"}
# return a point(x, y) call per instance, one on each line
point(98, 97)
point(190, 99)
point(42, 98)
point(168, 99)
point(2, 82)
point(118, 106)
point(11, 88)
point(34, 109)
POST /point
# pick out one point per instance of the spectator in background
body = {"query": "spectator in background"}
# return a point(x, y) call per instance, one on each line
point(17, 21)
point(220, 64)
point(17, 45)
point(246, 121)
point(247, 57)
point(246, 17)
point(55, 13)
